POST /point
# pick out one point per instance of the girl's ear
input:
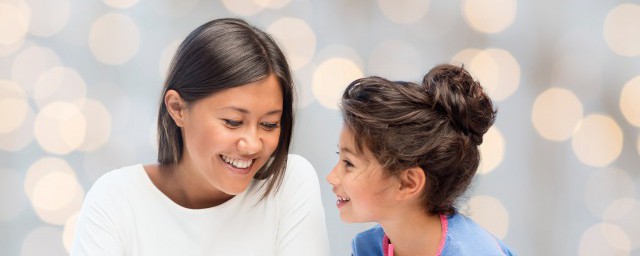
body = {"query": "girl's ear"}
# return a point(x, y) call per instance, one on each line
point(412, 182)
point(175, 106)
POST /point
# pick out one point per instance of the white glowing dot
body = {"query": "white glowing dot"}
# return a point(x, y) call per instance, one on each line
point(497, 71)
point(54, 192)
point(69, 232)
point(114, 39)
point(13, 106)
point(172, 8)
point(60, 84)
point(272, 4)
point(45, 240)
point(605, 186)
point(396, 60)
point(629, 98)
point(597, 140)
point(491, 150)
point(331, 78)
point(489, 16)
point(30, 63)
point(604, 239)
point(465, 57)
point(243, 7)
point(621, 30)
point(14, 24)
point(98, 125)
point(404, 12)
point(48, 17)
point(11, 195)
point(300, 46)
point(17, 139)
point(124, 4)
point(60, 127)
point(489, 213)
point(167, 55)
point(6, 50)
point(555, 114)
point(626, 213)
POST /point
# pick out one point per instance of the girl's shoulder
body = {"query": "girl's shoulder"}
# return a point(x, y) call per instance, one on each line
point(368, 242)
point(466, 237)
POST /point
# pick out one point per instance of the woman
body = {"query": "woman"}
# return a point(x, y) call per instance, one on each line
point(407, 152)
point(220, 186)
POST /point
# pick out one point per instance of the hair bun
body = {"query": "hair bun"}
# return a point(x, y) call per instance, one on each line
point(461, 99)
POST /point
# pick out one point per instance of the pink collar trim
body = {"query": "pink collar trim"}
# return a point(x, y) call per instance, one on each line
point(387, 246)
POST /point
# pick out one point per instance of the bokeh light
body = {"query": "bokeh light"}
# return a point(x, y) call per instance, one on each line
point(604, 239)
point(12, 197)
point(243, 7)
point(597, 140)
point(13, 106)
point(54, 192)
point(60, 127)
point(331, 78)
point(114, 39)
point(396, 60)
point(172, 8)
point(30, 63)
point(555, 114)
point(630, 101)
point(98, 121)
point(124, 4)
point(69, 232)
point(621, 30)
point(605, 186)
point(404, 12)
point(272, 4)
point(489, 213)
point(489, 16)
point(496, 69)
point(167, 55)
point(299, 47)
point(625, 212)
point(491, 150)
point(14, 23)
point(60, 84)
point(44, 240)
point(48, 17)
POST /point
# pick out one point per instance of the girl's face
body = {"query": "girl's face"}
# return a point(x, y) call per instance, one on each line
point(364, 192)
point(230, 135)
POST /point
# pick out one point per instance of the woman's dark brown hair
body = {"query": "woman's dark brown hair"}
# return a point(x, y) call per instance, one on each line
point(219, 55)
point(436, 125)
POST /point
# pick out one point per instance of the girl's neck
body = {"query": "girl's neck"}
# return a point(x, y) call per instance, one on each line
point(414, 233)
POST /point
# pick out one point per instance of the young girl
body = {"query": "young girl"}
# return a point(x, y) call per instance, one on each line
point(220, 185)
point(407, 152)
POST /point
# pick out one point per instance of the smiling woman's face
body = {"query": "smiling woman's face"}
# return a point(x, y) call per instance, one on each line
point(230, 135)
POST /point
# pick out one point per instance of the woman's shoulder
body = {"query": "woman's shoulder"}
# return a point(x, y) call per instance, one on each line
point(466, 237)
point(299, 171)
point(117, 180)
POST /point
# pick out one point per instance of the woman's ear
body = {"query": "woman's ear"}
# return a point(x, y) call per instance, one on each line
point(412, 182)
point(175, 106)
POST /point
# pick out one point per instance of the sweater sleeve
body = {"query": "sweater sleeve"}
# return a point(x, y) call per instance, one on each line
point(301, 223)
point(96, 232)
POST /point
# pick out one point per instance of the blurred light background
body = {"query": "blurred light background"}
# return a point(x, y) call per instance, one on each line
point(80, 83)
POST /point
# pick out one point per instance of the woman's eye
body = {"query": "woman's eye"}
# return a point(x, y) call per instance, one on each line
point(270, 126)
point(232, 123)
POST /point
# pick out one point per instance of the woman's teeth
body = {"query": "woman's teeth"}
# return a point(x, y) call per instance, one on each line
point(237, 163)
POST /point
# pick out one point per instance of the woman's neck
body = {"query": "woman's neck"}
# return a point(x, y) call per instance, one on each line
point(414, 233)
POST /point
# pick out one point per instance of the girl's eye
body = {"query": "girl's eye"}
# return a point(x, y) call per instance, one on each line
point(232, 123)
point(347, 163)
point(270, 126)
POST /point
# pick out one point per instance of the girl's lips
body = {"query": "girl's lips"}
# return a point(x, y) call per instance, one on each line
point(342, 201)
